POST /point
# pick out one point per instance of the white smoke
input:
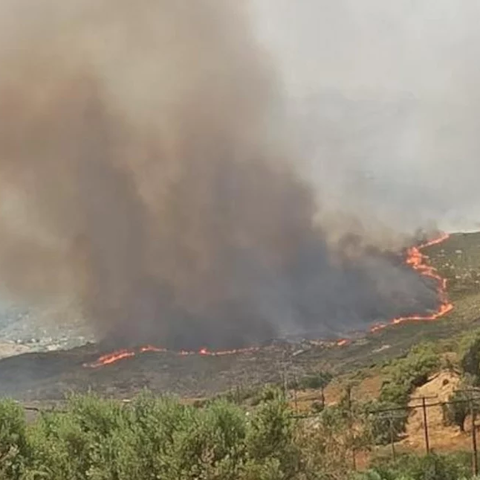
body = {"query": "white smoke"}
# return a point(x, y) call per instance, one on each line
point(390, 93)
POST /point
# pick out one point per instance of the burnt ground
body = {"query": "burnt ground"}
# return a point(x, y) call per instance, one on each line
point(48, 376)
point(51, 375)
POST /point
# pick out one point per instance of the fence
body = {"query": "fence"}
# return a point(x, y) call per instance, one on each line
point(472, 399)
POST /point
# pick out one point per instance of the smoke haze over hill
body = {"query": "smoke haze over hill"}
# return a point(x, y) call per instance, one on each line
point(388, 90)
point(154, 170)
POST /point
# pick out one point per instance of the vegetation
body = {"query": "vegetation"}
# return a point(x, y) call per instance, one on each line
point(413, 370)
point(251, 433)
point(457, 410)
point(159, 438)
point(150, 438)
point(415, 467)
point(469, 355)
point(316, 381)
point(403, 376)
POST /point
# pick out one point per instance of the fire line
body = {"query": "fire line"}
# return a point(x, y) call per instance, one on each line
point(417, 260)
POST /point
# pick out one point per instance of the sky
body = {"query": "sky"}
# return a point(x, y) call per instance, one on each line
point(390, 90)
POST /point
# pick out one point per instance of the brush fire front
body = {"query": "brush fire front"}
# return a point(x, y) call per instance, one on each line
point(123, 354)
point(417, 260)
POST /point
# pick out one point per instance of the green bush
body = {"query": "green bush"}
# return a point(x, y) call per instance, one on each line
point(457, 411)
point(385, 426)
point(469, 355)
point(317, 381)
point(394, 394)
point(413, 370)
point(410, 372)
point(155, 438)
point(151, 438)
point(428, 467)
point(13, 441)
point(404, 375)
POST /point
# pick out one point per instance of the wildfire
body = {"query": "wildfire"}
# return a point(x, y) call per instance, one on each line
point(414, 258)
point(419, 262)
point(123, 354)
point(111, 358)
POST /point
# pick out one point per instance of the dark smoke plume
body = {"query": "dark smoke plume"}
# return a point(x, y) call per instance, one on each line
point(144, 172)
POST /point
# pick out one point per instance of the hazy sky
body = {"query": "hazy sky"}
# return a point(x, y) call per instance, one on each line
point(390, 88)
point(424, 47)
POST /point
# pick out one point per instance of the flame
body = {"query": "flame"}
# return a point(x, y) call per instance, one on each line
point(417, 260)
point(111, 358)
point(123, 354)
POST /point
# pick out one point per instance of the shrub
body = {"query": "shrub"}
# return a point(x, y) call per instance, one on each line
point(457, 410)
point(151, 438)
point(404, 375)
point(13, 442)
point(385, 427)
point(413, 370)
point(469, 355)
point(429, 467)
point(318, 381)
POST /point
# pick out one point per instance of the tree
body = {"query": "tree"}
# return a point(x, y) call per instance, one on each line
point(414, 370)
point(317, 381)
point(459, 406)
point(385, 426)
point(13, 441)
point(469, 356)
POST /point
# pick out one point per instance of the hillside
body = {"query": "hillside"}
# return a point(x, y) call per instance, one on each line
point(37, 376)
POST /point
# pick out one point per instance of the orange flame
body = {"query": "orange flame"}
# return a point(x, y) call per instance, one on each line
point(419, 262)
point(111, 358)
point(123, 354)
point(414, 258)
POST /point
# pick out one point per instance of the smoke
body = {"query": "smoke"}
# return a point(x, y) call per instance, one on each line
point(146, 173)
point(387, 99)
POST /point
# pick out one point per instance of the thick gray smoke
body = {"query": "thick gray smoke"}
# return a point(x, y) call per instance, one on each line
point(144, 172)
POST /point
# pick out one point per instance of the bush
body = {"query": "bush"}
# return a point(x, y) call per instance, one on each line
point(408, 373)
point(150, 438)
point(13, 441)
point(385, 427)
point(404, 375)
point(429, 467)
point(469, 355)
point(318, 381)
point(457, 411)
point(394, 394)
point(413, 370)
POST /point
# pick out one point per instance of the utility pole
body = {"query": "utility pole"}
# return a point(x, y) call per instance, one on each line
point(474, 438)
point(425, 420)
point(295, 400)
point(390, 416)
point(425, 424)
point(285, 375)
point(471, 392)
point(392, 439)
point(350, 426)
